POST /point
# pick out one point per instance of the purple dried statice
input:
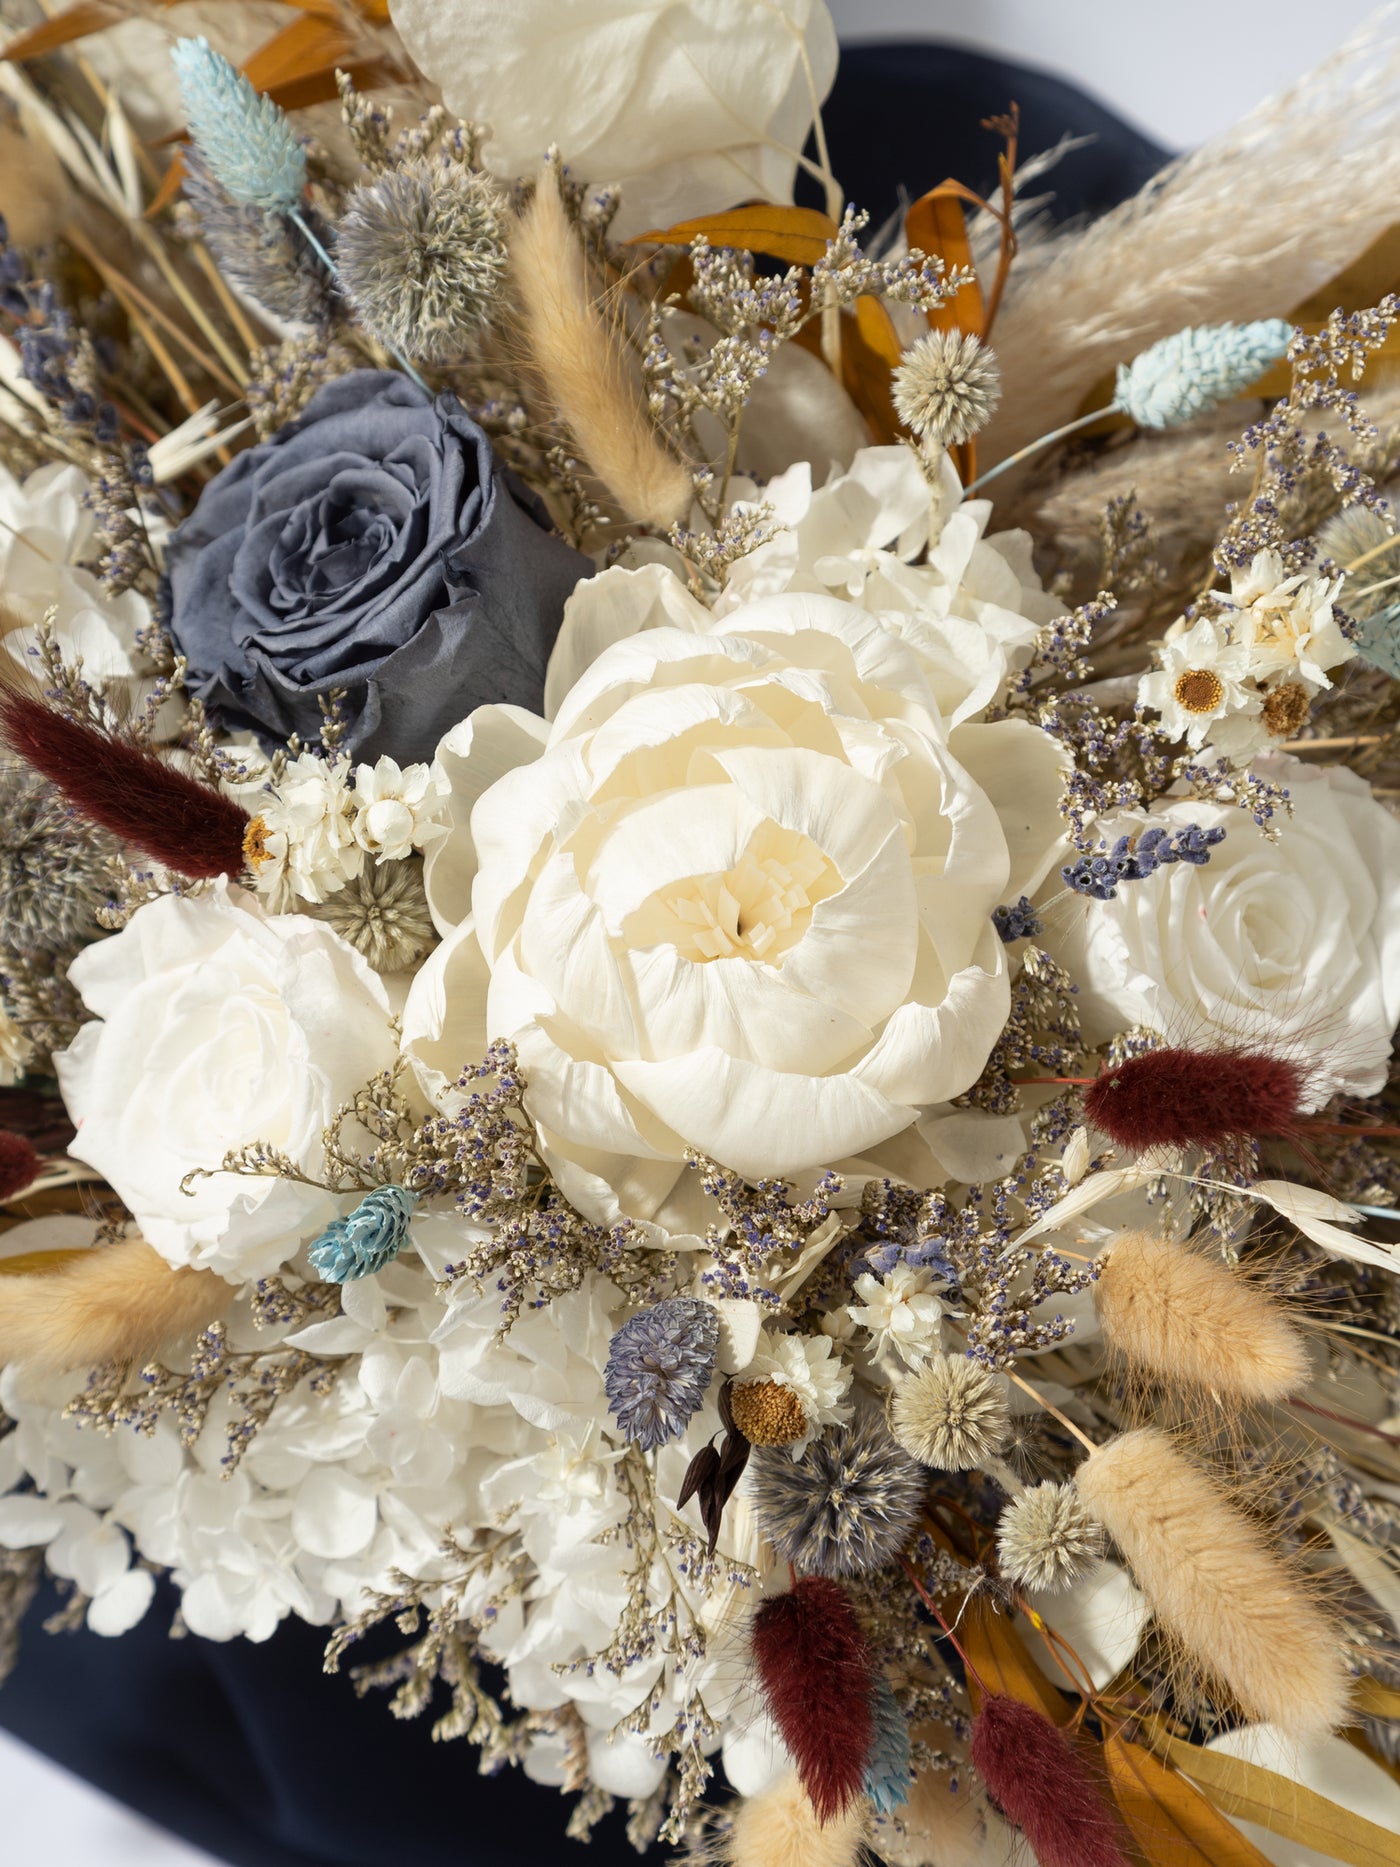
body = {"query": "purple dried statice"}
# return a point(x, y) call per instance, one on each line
point(659, 1366)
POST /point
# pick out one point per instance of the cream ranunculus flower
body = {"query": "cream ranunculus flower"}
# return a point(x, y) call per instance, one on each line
point(691, 105)
point(218, 1025)
point(738, 898)
point(1293, 945)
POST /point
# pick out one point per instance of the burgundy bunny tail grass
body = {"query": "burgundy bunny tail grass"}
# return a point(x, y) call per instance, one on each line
point(1196, 1098)
point(1036, 1779)
point(20, 1166)
point(175, 820)
point(816, 1673)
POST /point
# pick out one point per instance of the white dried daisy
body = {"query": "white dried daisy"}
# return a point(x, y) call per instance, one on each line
point(1046, 1539)
point(951, 1414)
point(812, 1367)
point(946, 387)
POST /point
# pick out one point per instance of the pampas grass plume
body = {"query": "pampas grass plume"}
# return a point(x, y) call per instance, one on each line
point(584, 368)
point(780, 1828)
point(115, 1303)
point(1186, 1317)
point(1033, 1775)
point(1215, 1584)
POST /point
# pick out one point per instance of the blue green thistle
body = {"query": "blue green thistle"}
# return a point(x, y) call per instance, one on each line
point(372, 1236)
point(888, 1773)
point(244, 137)
point(660, 1363)
point(1195, 370)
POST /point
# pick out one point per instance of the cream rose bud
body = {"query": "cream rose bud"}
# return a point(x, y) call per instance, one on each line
point(218, 1025)
point(1293, 945)
point(737, 898)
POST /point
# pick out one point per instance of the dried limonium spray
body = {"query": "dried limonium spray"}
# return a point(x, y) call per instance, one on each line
point(421, 255)
point(847, 1507)
point(946, 387)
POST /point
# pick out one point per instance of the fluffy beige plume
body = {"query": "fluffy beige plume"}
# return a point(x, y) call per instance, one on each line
point(584, 367)
point(779, 1828)
point(1186, 1317)
point(1246, 227)
point(115, 1303)
point(1239, 1611)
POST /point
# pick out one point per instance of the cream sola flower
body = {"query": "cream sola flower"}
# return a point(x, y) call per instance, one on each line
point(736, 898)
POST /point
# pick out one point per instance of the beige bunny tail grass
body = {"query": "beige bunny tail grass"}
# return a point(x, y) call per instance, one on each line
point(116, 1303)
point(1187, 1318)
point(1248, 226)
point(780, 1828)
point(1214, 1583)
point(583, 366)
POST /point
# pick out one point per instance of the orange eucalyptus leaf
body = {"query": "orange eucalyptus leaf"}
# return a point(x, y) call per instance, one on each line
point(937, 225)
point(999, 1657)
point(1170, 1821)
point(796, 235)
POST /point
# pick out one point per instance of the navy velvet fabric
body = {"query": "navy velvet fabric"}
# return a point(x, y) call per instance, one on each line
point(250, 1751)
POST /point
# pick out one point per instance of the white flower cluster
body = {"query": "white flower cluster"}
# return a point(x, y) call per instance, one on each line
point(1243, 677)
point(319, 820)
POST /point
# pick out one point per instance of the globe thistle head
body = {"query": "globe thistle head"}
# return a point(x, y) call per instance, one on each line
point(946, 387)
point(422, 256)
point(383, 913)
point(54, 872)
point(847, 1508)
point(951, 1413)
point(1046, 1539)
point(659, 1366)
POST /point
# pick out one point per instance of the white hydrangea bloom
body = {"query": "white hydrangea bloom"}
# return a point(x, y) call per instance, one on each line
point(903, 1312)
point(1287, 625)
point(395, 809)
point(47, 529)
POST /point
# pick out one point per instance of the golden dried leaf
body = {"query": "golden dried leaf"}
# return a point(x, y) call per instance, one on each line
point(1374, 1700)
point(303, 49)
point(1358, 286)
point(937, 225)
point(869, 352)
point(1169, 1819)
point(35, 1263)
point(1283, 1807)
point(319, 87)
point(795, 235)
point(74, 22)
point(999, 1657)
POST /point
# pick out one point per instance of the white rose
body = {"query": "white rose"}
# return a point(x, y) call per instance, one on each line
point(1293, 945)
point(738, 897)
point(218, 1025)
point(691, 105)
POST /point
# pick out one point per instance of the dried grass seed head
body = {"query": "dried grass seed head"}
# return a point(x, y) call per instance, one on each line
point(1182, 1315)
point(847, 1507)
point(422, 256)
point(946, 387)
point(951, 1414)
point(1046, 1539)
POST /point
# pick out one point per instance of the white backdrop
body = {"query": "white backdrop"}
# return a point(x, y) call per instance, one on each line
point(1181, 72)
